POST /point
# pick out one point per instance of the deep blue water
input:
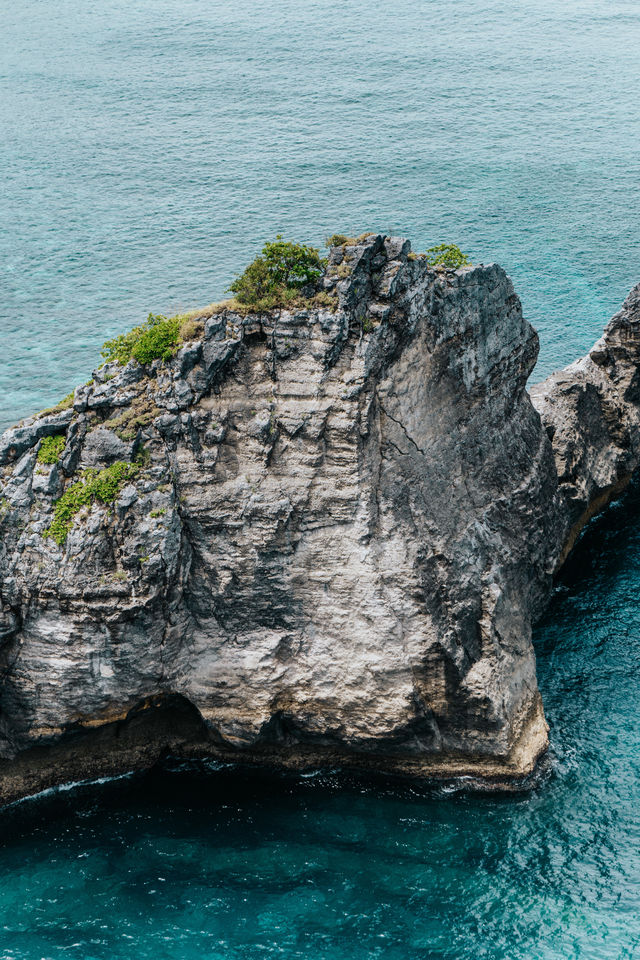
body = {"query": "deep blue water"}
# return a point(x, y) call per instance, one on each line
point(148, 149)
point(206, 866)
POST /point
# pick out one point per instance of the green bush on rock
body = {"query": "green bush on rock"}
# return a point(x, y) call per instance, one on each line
point(338, 240)
point(51, 449)
point(104, 485)
point(156, 339)
point(276, 277)
point(447, 255)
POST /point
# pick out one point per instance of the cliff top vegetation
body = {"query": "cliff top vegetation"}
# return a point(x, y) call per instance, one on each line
point(278, 275)
point(158, 338)
point(284, 275)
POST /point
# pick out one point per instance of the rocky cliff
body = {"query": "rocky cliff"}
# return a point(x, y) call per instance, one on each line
point(591, 411)
point(325, 534)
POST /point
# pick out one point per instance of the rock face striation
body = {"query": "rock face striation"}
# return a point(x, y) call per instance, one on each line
point(341, 524)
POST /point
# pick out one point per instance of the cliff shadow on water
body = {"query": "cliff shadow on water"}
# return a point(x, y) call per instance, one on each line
point(588, 654)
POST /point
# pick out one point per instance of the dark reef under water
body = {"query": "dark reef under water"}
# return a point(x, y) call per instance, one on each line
point(194, 862)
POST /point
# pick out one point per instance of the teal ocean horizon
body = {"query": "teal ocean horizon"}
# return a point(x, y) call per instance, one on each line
point(148, 152)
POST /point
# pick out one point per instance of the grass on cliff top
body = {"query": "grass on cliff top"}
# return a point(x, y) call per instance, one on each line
point(283, 276)
point(158, 338)
point(104, 485)
point(51, 449)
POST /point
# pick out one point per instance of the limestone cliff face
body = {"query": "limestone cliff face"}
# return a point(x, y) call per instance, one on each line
point(342, 526)
point(591, 411)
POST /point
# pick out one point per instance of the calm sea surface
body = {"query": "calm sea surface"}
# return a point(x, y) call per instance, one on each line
point(148, 149)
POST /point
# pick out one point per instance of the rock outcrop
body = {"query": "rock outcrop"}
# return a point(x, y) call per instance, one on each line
point(340, 525)
point(591, 411)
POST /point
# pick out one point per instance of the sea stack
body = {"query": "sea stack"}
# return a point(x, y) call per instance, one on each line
point(332, 529)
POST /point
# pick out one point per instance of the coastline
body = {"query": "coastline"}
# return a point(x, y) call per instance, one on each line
point(149, 736)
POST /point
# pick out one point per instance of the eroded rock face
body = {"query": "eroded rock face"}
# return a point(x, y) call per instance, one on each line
point(591, 411)
point(344, 522)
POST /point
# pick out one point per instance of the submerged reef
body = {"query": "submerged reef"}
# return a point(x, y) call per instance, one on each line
point(312, 533)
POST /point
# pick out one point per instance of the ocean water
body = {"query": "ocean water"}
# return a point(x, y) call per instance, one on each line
point(188, 865)
point(148, 150)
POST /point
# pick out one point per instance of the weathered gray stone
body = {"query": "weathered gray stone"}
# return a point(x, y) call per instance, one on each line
point(591, 411)
point(345, 523)
point(103, 447)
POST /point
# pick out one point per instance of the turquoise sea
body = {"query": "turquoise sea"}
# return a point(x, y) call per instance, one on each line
point(148, 150)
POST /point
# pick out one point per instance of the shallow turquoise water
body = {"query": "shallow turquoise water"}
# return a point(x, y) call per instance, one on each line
point(148, 150)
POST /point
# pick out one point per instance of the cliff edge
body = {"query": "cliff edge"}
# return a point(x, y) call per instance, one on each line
point(315, 535)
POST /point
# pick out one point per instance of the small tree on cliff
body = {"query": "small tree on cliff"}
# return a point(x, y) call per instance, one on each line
point(278, 274)
point(447, 255)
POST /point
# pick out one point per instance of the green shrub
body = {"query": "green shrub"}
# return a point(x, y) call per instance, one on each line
point(338, 240)
point(156, 339)
point(120, 349)
point(276, 277)
point(51, 449)
point(159, 341)
point(447, 255)
point(254, 285)
point(104, 485)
